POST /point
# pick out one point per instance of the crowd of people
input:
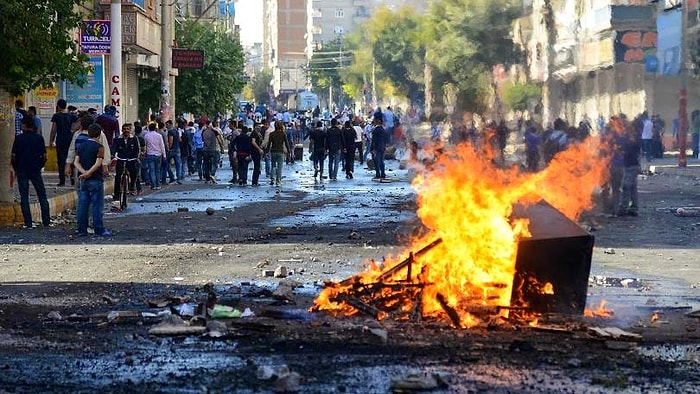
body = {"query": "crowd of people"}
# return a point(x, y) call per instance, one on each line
point(159, 153)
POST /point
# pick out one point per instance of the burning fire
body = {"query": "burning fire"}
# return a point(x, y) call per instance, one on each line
point(466, 262)
point(599, 311)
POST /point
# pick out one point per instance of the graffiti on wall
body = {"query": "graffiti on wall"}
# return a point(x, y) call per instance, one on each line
point(634, 46)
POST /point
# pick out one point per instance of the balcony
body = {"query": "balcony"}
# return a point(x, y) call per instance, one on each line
point(140, 34)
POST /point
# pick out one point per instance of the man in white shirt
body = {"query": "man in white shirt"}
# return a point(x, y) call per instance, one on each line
point(358, 140)
point(647, 135)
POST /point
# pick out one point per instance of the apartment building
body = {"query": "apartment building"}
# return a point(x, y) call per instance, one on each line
point(602, 57)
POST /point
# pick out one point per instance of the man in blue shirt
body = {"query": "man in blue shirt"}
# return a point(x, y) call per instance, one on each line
point(88, 162)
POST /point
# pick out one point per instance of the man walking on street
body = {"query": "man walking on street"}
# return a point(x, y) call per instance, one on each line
point(278, 150)
point(155, 153)
point(61, 136)
point(28, 158)
point(334, 143)
point(349, 135)
point(378, 148)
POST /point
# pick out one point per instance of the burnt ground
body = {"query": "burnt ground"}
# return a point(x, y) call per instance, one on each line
point(75, 313)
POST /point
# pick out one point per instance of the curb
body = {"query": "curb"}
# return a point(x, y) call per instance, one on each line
point(11, 213)
point(689, 171)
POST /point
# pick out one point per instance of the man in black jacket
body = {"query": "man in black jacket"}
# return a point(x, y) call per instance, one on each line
point(349, 135)
point(28, 158)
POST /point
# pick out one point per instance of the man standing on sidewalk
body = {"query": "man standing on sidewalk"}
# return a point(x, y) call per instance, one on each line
point(28, 158)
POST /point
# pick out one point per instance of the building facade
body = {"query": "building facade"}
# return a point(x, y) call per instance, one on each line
point(603, 57)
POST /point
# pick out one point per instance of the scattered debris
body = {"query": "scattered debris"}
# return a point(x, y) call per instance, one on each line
point(54, 315)
point(613, 332)
point(415, 381)
point(216, 329)
point(281, 272)
point(609, 251)
point(284, 293)
point(620, 345)
point(224, 312)
point(688, 212)
point(174, 325)
point(288, 383)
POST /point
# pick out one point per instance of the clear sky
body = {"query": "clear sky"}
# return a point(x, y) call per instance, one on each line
point(249, 18)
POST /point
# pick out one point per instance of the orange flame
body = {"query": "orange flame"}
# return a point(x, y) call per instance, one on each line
point(466, 201)
point(599, 311)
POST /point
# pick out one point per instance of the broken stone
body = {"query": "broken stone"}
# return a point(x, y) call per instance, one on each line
point(281, 272)
point(267, 372)
point(609, 251)
point(284, 293)
point(268, 273)
point(291, 283)
point(289, 383)
point(210, 211)
point(112, 316)
point(183, 209)
point(380, 333)
point(216, 329)
point(416, 381)
point(54, 315)
point(109, 300)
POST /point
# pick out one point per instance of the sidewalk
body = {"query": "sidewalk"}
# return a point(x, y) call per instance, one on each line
point(60, 199)
point(63, 198)
point(669, 166)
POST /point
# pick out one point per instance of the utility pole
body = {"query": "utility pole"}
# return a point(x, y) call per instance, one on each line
point(166, 110)
point(115, 55)
point(683, 96)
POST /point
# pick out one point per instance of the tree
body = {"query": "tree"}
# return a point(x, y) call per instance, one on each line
point(260, 83)
point(470, 37)
point(213, 88)
point(398, 48)
point(36, 49)
point(324, 69)
point(517, 96)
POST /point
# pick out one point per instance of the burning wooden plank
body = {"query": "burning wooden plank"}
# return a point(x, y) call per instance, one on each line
point(360, 306)
point(451, 313)
point(408, 262)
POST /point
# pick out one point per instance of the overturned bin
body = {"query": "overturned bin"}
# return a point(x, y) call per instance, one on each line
point(552, 266)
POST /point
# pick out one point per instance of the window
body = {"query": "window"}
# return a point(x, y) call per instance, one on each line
point(339, 13)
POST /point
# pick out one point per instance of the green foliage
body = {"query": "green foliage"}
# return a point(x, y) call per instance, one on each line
point(466, 38)
point(516, 96)
point(37, 46)
point(213, 88)
point(325, 65)
point(398, 48)
point(260, 85)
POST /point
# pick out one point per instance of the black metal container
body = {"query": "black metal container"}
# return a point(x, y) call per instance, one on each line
point(558, 253)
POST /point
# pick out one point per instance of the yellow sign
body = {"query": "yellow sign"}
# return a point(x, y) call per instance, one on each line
point(43, 93)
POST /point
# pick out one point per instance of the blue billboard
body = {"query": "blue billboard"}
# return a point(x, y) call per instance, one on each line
point(668, 26)
point(92, 94)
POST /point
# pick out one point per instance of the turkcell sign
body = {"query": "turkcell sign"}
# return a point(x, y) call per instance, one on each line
point(95, 37)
